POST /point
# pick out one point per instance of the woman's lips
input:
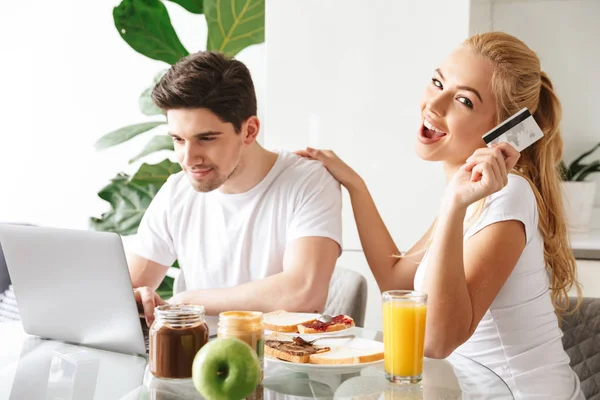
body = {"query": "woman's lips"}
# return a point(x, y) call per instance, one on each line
point(427, 136)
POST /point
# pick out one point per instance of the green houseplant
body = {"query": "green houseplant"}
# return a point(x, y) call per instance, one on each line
point(146, 27)
point(578, 192)
point(578, 171)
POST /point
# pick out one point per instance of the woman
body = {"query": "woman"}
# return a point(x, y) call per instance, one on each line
point(496, 263)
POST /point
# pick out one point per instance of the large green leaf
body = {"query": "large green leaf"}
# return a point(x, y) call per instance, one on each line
point(145, 25)
point(165, 290)
point(129, 197)
point(158, 143)
point(147, 106)
point(234, 24)
point(124, 134)
point(128, 206)
point(193, 6)
point(156, 174)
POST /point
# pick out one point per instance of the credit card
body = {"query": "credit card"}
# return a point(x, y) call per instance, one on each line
point(520, 130)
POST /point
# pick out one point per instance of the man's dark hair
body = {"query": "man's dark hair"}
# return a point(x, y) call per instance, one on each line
point(210, 80)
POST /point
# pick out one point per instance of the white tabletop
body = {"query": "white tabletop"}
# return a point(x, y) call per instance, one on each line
point(32, 368)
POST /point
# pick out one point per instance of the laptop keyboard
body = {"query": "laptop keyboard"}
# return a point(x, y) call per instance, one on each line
point(146, 332)
point(147, 341)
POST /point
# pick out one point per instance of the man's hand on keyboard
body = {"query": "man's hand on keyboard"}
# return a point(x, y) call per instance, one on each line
point(146, 300)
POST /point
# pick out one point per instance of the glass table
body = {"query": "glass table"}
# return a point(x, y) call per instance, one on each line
point(33, 368)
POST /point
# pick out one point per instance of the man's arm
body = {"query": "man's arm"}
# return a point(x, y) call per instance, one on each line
point(153, 250)
point(303, 285)
point(144, 272)
point(314, 237)
point(146, 276)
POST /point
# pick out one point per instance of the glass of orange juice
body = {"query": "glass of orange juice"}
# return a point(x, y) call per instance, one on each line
point(404, 313)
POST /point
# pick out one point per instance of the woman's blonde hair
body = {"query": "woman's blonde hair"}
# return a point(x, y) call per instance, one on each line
point(518, 82)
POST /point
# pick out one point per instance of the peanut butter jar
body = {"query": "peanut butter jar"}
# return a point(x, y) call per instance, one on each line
point(246, 326)
point(176, 335)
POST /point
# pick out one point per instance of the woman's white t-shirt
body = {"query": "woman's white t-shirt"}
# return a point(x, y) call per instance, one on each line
point(519, 337)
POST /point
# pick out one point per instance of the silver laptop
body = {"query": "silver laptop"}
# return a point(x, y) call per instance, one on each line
point(73, 286)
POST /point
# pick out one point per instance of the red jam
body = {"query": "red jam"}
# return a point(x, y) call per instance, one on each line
point(322, 326)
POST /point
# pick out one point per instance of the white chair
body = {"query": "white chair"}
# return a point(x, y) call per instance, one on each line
point(347, 293)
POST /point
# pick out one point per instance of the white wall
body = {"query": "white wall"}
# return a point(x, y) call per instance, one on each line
point(68, 78)
point(566, 36)
point(347, 76)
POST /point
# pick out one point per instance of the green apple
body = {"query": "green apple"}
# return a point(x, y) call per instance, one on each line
point(226, 369)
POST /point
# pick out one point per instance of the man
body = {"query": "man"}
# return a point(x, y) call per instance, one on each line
point(251, 229)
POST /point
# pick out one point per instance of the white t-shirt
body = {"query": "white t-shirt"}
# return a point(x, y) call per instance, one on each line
point(519, 337)
point(222, 240)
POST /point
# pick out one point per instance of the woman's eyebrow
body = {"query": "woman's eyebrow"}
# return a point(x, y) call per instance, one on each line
point(462, 87)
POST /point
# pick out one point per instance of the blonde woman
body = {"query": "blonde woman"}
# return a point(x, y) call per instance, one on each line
point(496, 263)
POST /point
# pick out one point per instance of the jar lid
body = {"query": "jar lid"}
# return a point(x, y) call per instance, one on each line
point(179, 311)
point(241, 315)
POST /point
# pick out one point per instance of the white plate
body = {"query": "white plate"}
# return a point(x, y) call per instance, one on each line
point(357, 343)
point(323, 368)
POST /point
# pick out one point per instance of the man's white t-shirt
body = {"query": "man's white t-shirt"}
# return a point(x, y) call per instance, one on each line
point(519, 337)
point(223, 240)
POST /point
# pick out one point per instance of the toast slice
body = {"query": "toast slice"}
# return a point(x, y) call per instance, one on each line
point(291, 349)
point(338, 323)
point(283, 321)
point(347, 355)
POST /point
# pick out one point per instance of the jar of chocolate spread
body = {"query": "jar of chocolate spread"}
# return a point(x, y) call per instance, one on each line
point(176, 335)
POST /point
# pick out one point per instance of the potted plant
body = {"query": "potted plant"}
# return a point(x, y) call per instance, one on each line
point(146, 27)
point(578, 194)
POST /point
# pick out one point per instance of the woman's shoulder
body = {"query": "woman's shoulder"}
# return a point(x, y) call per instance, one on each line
point(518, 191)
point(516, 201)
point(517, 181)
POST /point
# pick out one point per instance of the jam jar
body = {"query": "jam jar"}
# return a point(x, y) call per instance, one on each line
point(176, 335)
point(246, 326)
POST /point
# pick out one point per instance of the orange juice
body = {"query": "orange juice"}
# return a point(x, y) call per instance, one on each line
point(403, 337)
